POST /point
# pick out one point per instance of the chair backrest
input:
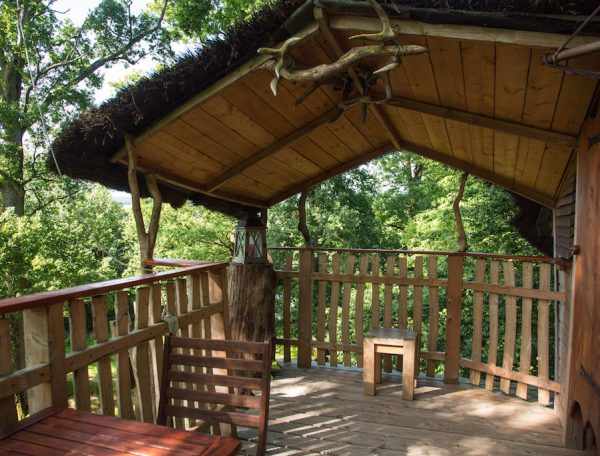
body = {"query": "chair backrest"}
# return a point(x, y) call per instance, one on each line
point(225, 373)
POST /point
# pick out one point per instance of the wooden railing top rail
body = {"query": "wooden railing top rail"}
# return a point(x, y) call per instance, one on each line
point(175, 263)
point(497, 256)
point(46, 298)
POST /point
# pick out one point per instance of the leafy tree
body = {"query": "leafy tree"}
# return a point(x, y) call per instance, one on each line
point(203, 19)
point(49, 68)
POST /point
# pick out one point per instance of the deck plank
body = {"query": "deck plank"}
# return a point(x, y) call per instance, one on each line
point(324, 411)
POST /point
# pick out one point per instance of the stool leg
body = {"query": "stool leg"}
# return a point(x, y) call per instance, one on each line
point(369, 366)
point(408, 370)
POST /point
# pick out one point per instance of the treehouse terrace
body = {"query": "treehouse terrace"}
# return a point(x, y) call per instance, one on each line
point(504, 347)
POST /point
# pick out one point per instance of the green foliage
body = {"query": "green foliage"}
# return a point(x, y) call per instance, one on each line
point(190, 232)
point(66, 244)
point(203, 19)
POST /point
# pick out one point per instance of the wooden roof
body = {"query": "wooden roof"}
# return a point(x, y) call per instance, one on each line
point(480, 100)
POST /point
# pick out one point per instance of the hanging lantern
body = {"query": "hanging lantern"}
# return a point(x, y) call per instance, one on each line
point(250, 242)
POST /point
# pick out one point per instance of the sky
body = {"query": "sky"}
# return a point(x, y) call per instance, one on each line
point(76, 11)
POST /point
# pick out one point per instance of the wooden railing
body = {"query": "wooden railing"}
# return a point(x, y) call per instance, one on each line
point(116, 328)
point(497, 308)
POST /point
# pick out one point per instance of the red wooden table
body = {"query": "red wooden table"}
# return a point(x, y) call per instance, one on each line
point(69, 432)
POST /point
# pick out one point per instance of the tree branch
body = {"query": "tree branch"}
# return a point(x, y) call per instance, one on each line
point(302, 226)
point(460, 229)
point(156, 210)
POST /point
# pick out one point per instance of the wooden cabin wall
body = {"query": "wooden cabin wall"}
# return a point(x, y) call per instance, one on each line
point(583, 419)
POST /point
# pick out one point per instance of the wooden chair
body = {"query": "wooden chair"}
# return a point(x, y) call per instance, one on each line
point(223, 376)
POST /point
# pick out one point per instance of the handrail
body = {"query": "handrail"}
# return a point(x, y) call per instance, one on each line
point(532, 258)
point(176, 263)
point(46, 298)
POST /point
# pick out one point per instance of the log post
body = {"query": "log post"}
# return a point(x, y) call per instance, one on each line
point(305, 310)
point(454, 298)
point(251, 284)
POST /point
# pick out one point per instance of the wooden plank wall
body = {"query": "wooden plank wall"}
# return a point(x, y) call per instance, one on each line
point(507, 314)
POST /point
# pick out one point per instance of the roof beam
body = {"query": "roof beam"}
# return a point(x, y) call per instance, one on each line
point(329, 116)
point(480, 120)
point(339, 169)
point(456, 31)
point(451, 161)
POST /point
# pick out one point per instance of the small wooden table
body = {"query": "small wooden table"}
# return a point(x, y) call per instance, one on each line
point(58, 432)
point(393, 342)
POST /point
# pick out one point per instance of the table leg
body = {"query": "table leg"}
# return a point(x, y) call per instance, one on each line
point(408, 370)
point(378, 367)
point(369, 367)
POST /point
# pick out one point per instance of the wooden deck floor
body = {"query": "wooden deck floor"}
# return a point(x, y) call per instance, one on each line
point(323, 411)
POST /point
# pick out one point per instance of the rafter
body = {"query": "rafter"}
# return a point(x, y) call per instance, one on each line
point(329, 116)
point(480, 120)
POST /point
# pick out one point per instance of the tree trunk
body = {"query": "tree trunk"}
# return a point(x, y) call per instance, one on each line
point(251, 294)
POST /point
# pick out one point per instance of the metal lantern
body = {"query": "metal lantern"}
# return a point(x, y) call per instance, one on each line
point(250, 242)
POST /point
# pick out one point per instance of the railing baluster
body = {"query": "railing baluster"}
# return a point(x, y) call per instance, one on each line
point(346, 311)
point(388, 288)
point(375, 292)
point(543, 334)
point(287, 310)
point(143, 377)
point(525, 356)
point(418, 303)
point(156, 346)
point(78, 342)
point(8, 410)
point(333, 311)
point(510, 326)
point(493, 313)
point(100, 318)
point(477, 321)
point(360, 303)
point(434, 314)
point(321, 310)
point(124, 390)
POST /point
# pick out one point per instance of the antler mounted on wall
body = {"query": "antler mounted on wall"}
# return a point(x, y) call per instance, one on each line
point(284, 66)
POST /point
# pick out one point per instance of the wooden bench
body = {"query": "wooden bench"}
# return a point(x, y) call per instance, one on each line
point(393, 342)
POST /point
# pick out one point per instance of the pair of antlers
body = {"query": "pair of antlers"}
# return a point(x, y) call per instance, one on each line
point(282, 64)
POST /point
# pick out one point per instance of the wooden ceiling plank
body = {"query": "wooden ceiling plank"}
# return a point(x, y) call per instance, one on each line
point(446, 59)
point(235, 142)
point(512, 154)
point(225, 81)
point(261, 112)
point(418, 81)
point(479, 61)
point(298, 114)
point(272, 149)
point(461, 32)
point(235, 119)
point(342, 168)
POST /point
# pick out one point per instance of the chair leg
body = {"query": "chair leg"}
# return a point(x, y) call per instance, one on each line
point(369, 367)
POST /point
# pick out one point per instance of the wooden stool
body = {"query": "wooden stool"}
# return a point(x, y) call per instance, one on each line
point(393, 342)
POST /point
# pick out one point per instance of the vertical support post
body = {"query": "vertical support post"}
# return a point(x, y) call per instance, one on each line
point(81, 377)
point(305, 310)
point(454, 298)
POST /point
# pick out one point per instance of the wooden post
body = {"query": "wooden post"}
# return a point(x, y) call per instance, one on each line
point(81, 377)
point(305, 310)
point(454, 298)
